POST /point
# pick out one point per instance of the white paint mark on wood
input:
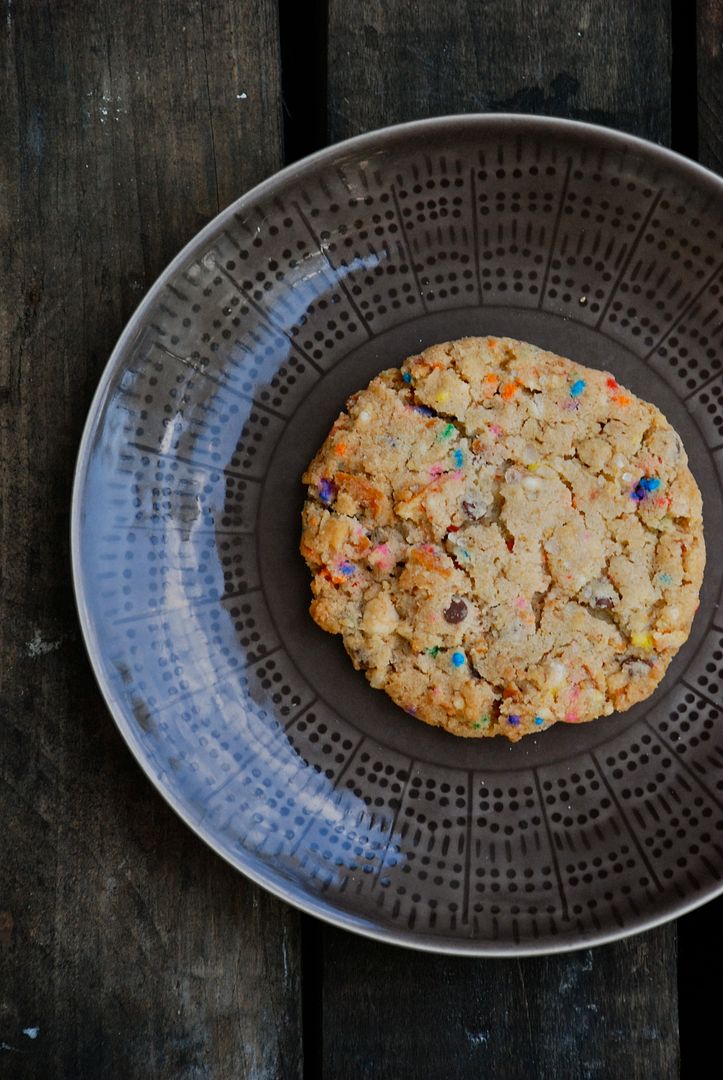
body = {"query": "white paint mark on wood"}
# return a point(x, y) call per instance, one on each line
point(39, 646)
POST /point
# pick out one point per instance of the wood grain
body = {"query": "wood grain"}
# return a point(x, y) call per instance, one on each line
point(599, 1013)
point(130, 947)
point(710, 83)
point(598, 60)
point(385, 1012)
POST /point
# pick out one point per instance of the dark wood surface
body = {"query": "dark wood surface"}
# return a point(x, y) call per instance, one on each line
point(126, 948)
point(131, 947)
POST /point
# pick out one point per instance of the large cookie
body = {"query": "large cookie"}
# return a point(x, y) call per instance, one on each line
point(504, 538)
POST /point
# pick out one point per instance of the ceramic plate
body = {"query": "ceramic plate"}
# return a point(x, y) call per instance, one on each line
point(194, 600)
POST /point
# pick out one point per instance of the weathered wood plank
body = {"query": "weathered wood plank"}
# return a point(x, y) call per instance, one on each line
point(126, 947)
point(386, 1012)
point(389, 1013)
point(710, 83)
point(601, 61)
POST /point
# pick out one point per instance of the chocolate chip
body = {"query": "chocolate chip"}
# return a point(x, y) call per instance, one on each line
point(456, 612)
point(472, 509)
point(605, 601)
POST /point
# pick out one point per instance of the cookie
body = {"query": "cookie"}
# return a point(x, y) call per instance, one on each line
point(504, 539)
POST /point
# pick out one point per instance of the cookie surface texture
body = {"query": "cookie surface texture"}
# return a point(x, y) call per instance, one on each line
point(504, 539)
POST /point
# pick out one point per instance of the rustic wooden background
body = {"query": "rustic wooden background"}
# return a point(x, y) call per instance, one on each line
point(126, 948)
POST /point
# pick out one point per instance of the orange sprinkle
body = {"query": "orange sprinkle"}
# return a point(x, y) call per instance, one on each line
point(622, 399)
point(340, 449)
point(491, 378)
point(491, 342)
point(509, 390)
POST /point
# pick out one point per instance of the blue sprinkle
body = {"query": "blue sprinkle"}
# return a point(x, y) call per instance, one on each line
point(665, 579)
point(424, 410)
point(406, 376)
point(458, 659)
point(458, 458)
point(539, 721)
point(514, 720)
point(327, 490)
point(347, 568)
point(644, 486)
point(577, 388)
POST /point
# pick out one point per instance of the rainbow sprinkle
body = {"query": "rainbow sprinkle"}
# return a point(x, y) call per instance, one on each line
point(327, 490)
point(644, 486)
point(457, 458)
point(539, 721)
point(665, 579)
point(346, 568)
point(406, 376)
point(577, 388)
point(514, 720)
point(433, 651)
point(482, 722)
point(458, 658)
point(448, 432)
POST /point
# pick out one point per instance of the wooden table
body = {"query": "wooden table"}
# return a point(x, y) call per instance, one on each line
point(126, 948)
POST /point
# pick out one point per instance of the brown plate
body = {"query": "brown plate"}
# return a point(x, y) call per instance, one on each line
point(193, 598)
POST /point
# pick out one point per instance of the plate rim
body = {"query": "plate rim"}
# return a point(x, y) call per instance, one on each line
point(303, 901)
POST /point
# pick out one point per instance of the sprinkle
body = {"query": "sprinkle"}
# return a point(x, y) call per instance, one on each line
point(539, 721)
point(577, 388)
point(458, 659)
point(340, 449)
point(482, 722)
point(510, 542)
point(380, 557)
point(496, 430)
point(665, 579)
point(514, 720)
point(509, 390)
point(572, 717)
point(613, 384)
point(457, 458)
point(327, 490)
point(347, 568)
point(491, 378)
point(448, 432)
point(622, 399)
point(433, 651)
point(406, 375)
point(436, 470)
point(641, 641)
point(441, 397)
point(644, 486)
point(424, 410)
